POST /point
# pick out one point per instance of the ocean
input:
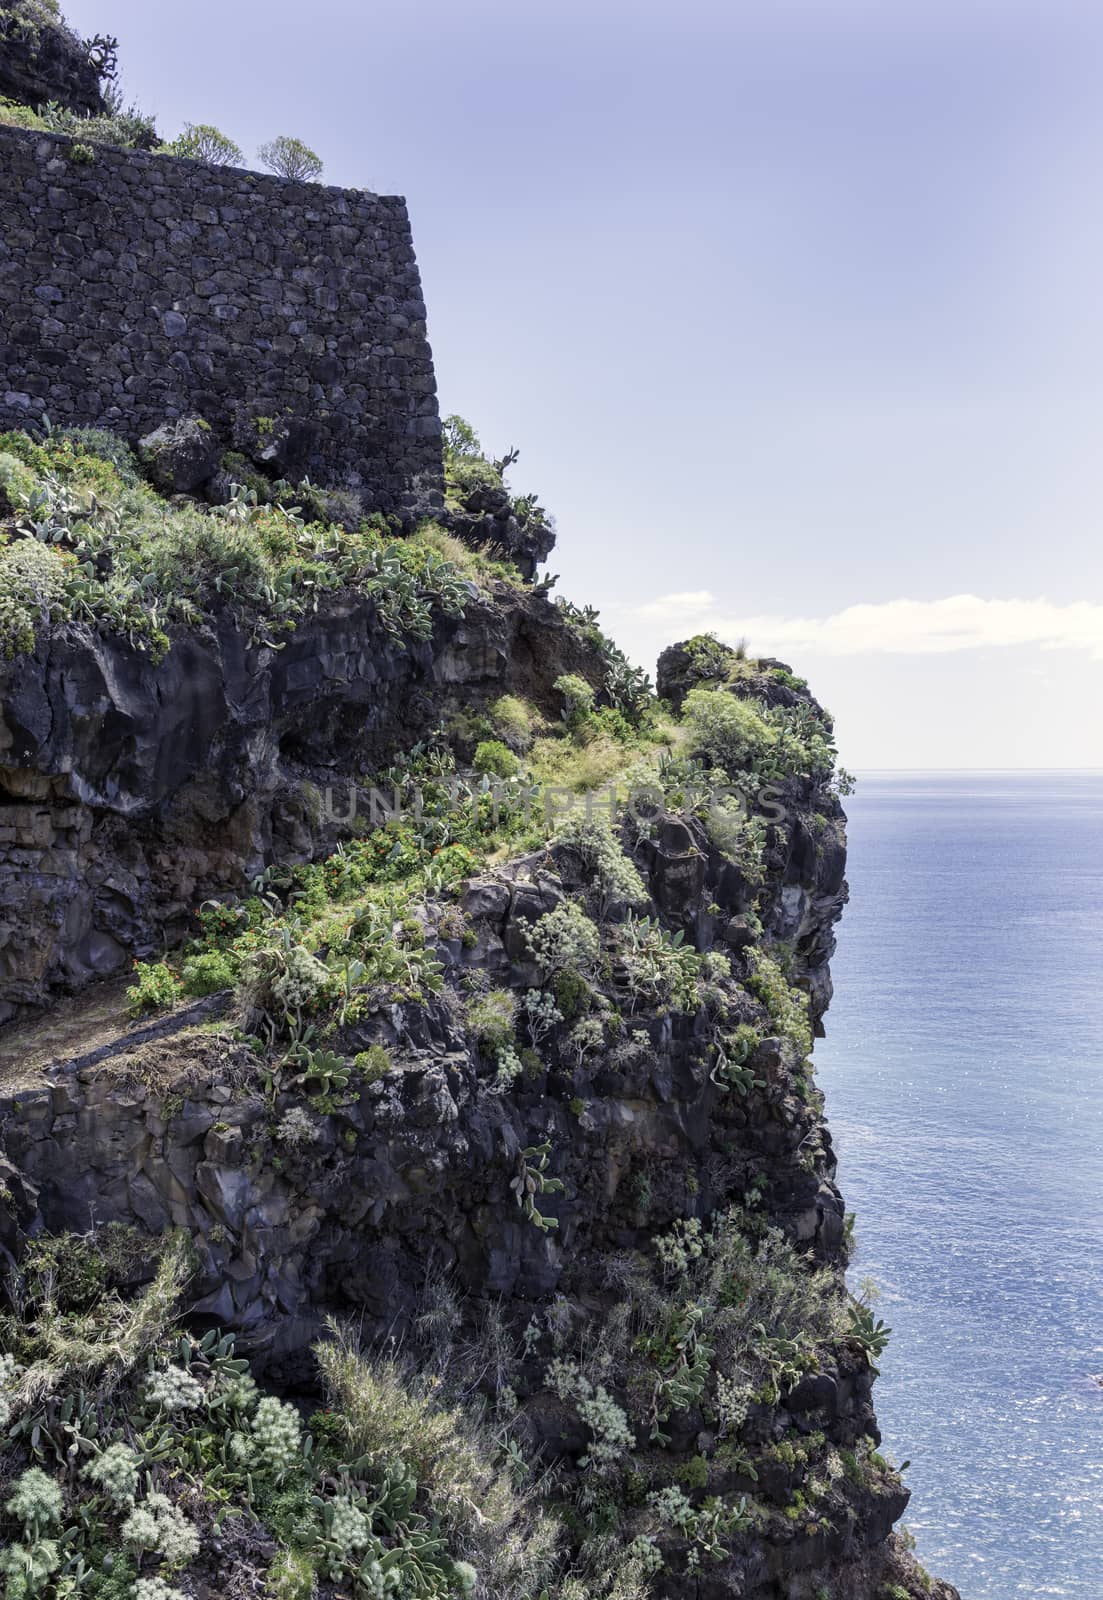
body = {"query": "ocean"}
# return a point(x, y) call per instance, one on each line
point(963, 1068)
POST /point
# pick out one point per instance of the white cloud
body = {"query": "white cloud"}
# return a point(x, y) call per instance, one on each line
point(669, 607)
point(899, 627)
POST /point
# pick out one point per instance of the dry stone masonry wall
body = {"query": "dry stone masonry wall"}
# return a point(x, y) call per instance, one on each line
point(134, 288)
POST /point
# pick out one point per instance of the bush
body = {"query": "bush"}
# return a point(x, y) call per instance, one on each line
point(578, 699)
point(156, 988)
point(296, 1128)
point(35, 1502)
point(492, 1019)
point(725, 731)
point(512, 721)
point(290, 1577)
point(494, 758)
point(103, 446)
point(131, 562)
point(127, 128)
point(73, 1270)
point(156, 1589)
point(27, 1567)
point(17, 483)
point(565, 941)
point(373, 1063)
point(209, 973)
point(787, 1006)
point(594, 842)
point(32, 585)
point(202, 142)
point(285, 980)
point(290, 158)
point(277, 1435)
point(115, 1471)
point(389, 1421)
point(156, 1524)
point(460, 441)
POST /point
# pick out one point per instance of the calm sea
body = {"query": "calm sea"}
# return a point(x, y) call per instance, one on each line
point(964, 1076)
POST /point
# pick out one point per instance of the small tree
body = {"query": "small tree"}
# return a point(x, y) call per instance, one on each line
point(290, 158)
point(461, 442)
point(201, 142)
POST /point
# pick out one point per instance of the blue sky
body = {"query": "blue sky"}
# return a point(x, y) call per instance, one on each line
point(794, 311)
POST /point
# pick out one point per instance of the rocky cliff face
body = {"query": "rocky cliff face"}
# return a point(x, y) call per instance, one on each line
point(648, 1182)
point(42, 60)
point(131, 791)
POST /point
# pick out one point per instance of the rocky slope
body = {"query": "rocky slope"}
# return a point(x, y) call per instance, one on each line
point(132, 790)
point(42, 60)
point(522, 1092)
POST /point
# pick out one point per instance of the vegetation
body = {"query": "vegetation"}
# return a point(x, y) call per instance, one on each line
point(130, 1445)
point(121, 1473)
point(474, 1457)
point(85, 541)
point(291, 158)
point(202, 142)
point(124, 126)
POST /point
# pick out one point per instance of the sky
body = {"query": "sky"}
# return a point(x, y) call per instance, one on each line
point(792, 309)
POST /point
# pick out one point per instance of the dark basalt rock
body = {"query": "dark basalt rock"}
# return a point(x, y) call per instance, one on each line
point(130, 791)
point(282, 446)
point(42, 60)
point(488, 520)
point(685, 666)
point(181, 456)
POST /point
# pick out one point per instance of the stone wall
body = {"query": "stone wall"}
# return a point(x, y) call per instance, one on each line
point(135, 287)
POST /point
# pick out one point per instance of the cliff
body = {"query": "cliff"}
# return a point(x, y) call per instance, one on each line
point(413, 1177)
point(474, 1009)
point(42, 60)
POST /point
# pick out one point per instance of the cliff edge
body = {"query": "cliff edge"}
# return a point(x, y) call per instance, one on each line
point(421, 1012)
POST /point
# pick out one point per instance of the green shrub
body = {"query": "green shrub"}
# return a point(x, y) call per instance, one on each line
point(787, 1006)
point(291, 158)
point(17, 483)
point(578, 699)
point(36, 1502)
point(492, 1019)
point(564, 940)
point(290, 1577)
point(209, 973)
point(32, 586)
point(460, 441)
point(694, 1474)
point(725, 731)
point(13, 115)
point(285, 980)
point(202, 142)
point(660, 968)
point(593, 840)
point(156, 987)
point(496, 759)
point(126, 127)
point(73, 1270)
point(573, 994)
point(102, 446)
point(390, 1421)
point(373, 1063)
point(513, 721)
point(133, 562)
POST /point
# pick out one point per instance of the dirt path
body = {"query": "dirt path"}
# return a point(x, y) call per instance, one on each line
point(87, 1028)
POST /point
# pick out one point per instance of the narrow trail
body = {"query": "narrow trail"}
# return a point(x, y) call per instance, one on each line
point(85, 1029)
